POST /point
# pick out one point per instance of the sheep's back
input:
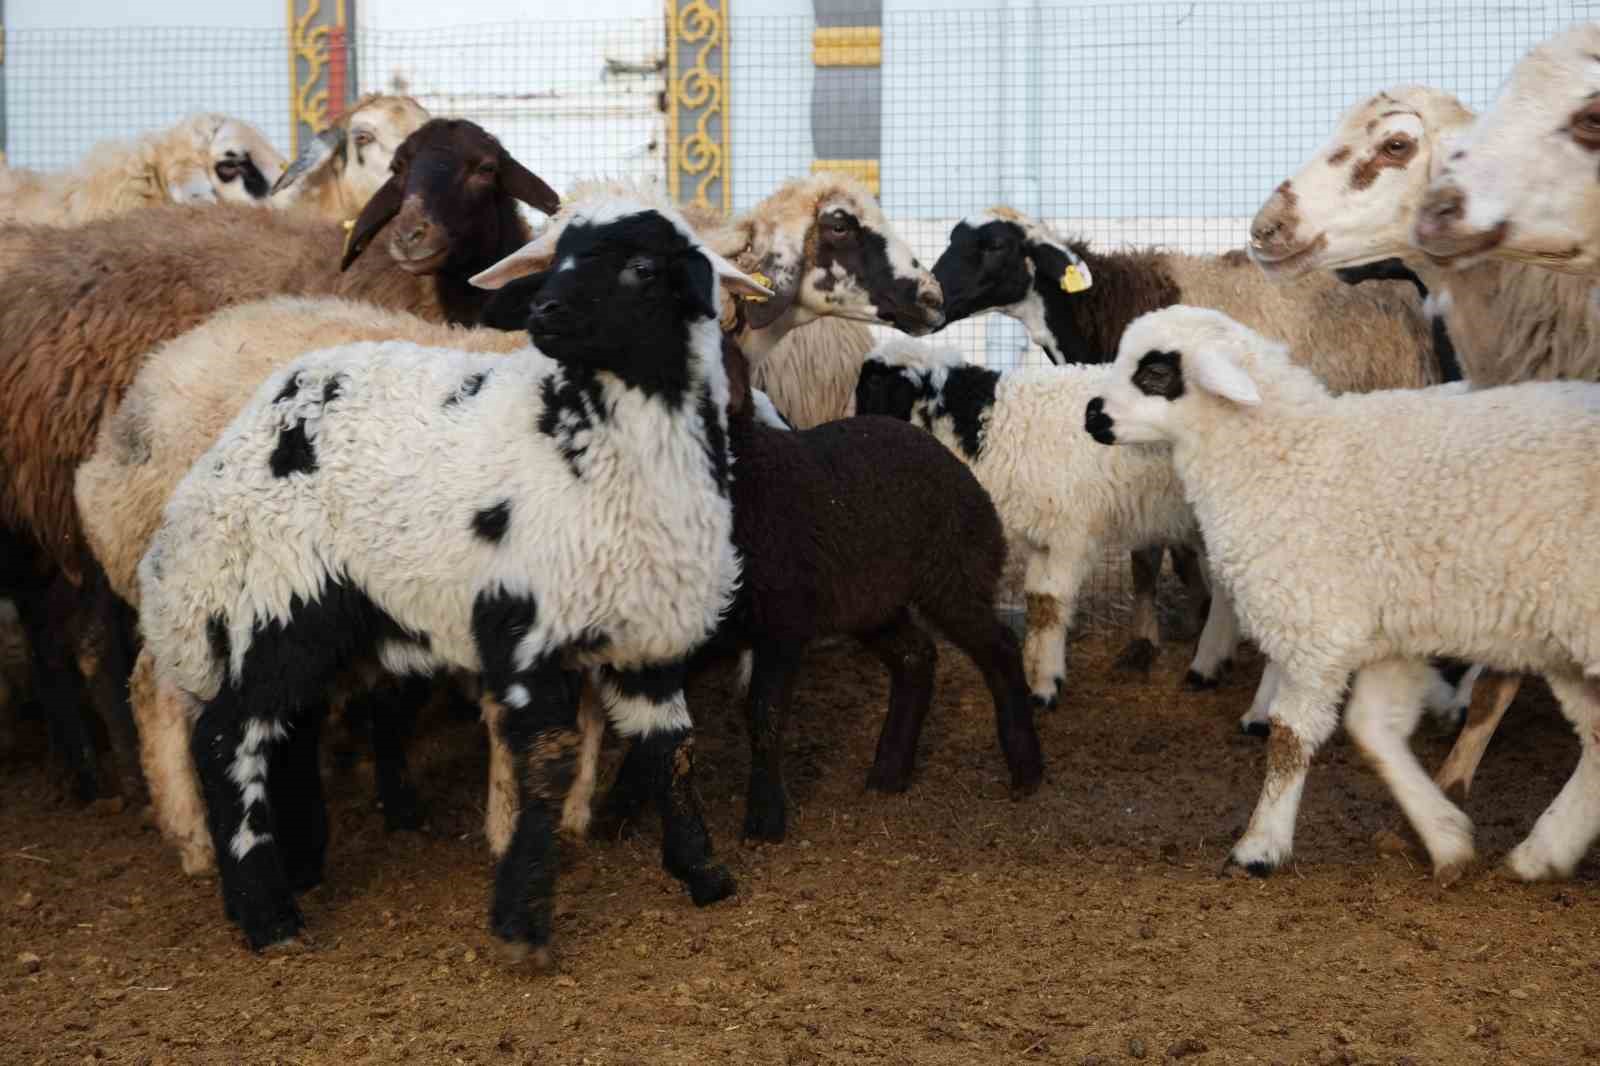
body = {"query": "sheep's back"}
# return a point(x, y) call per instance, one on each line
point(842, 524)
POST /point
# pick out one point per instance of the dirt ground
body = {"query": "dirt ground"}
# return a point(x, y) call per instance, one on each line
point(946, 925)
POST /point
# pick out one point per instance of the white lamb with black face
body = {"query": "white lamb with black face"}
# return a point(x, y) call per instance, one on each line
point(512, 515)
point(1353, 535)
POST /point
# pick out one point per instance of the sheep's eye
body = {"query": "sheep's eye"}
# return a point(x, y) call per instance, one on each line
point(227, 170)
point(487, 168)
point(1398, 147)
point(639, 270)
point(1586, 126)
point(362, 138)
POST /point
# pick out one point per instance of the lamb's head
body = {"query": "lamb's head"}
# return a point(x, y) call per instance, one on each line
point(900, 377)
point(214, 158)
point(1523, 183)
point(452, 194)
point(1174, 367)
point(997, 261)
point(629, 290)
point(827, 249)
point(351, 157)
point(1354, 202)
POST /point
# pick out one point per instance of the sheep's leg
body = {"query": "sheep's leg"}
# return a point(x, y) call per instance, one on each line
point(1051, 587)
point(394, 704)
point(231, 750)
point(57, 684)
point(1191, 570)
point(1569, 825)
point(1140, 654)
point(575, 812)
point(1491, 697)
point(910, 655)
point(538, 726)
point(626, 798)
point(766, 705)
point(1385, 705)
point(1255, 720)
point(1304, 716)
point(110, 637)
point(648, 704)
point(1219, 641)
point(500, 809)
point(164, 714)
point(993, 649)
point(298, 808)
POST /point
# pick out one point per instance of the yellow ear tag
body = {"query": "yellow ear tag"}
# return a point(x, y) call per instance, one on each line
point(1074, 279)
point(762, 280)
point(349, 225)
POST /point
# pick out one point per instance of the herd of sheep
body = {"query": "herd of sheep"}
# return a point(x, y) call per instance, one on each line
point(254, 473)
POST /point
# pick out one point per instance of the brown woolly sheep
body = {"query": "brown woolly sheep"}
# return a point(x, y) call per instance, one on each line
point(346, 164)
point(203, 159)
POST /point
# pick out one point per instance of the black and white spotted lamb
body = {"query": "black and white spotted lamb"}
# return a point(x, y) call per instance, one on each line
point(567, 507)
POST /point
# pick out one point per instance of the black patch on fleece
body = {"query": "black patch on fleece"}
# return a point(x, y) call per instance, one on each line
point(968, 397)
point(290, 390)
point(658, 682)
point(490, 524)
point(570, 407)
point(500, 620)
point(332, 388)
point(294, 454)
point(217, 638)
point(882, 389)
point(467, 389)
point(1159, 374)
point(716, 443)
point(592, 640)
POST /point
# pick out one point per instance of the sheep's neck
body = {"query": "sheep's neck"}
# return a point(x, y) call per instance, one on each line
point(1086, 327)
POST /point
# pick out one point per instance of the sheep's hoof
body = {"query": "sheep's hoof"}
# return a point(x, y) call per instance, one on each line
point(1448, 874)
point(1259, 728)
point(1025, 785)
point(282, 934)
point(880, 780)
point(294, 945)
point(1234, 869)
point(1195, 681)
point(709, 884)
point(1047, 704)
point(1137, 658)
point(765, 825)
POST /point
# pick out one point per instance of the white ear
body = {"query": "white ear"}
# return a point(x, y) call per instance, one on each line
point(530, 258)
point(1221, 376)
point(735, 279)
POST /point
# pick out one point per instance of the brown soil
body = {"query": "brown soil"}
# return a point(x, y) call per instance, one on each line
point(946, 925)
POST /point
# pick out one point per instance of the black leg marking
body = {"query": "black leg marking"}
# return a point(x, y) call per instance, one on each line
point(298, 809)
point(394, 719)
point(685, 844)
point(766, 706)
point(910, 655)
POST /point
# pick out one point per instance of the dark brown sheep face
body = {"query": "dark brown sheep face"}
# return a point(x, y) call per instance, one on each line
point(450, 202)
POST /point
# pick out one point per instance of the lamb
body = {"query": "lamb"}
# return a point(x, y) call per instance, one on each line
point(69, 347)
point(346, 164)
point(1358, 200)
point(577, 513)
point(1062, 499)
point(1344, 558)
point(1520, 184)
point(205, 158)
point(1075, 302)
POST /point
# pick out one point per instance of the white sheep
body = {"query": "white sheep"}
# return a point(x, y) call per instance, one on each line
point(342, 167)
point(1520, 184)
point(1351, 535)
point(203, 159)
point(506, 516)
point(1063, 499)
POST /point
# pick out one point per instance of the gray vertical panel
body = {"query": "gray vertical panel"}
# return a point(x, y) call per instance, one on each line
point(847, 102)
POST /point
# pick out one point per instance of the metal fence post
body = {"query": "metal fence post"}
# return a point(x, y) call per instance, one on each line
point(318, 67)
point(698, 134)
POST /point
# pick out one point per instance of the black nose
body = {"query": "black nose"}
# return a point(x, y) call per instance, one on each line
point(1097, 423)
point(548, 315)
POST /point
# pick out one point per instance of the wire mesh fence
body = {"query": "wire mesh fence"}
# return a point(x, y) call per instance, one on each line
point(1162, 123)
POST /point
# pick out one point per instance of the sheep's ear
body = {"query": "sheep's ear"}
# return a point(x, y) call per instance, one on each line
point(316, 157)
point(527, 186)
point(735, 279)
point(529, 259)
point(383, 206)
point(510, 307)
point(1059, 265)
point(1218, 374)
point(696, 282)
point(779, 272)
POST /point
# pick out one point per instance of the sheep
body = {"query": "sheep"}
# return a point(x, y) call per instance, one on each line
point(1062, 499)
point(572, 508)
point(1075, 302)
point(810, 374)
point(346, 164)
point(77, 316)
point(1345, 558)
point(1520, 183)
point(202, 159)
point(178, 404)
point(1357, 200)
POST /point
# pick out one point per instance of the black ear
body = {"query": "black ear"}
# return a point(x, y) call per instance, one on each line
point(1049, 264)
point(1382, 270)
point(783, 278)
point(383, 206)
point(508, 307)
point(884, 390)
point(696, 283)
point(527, 186)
